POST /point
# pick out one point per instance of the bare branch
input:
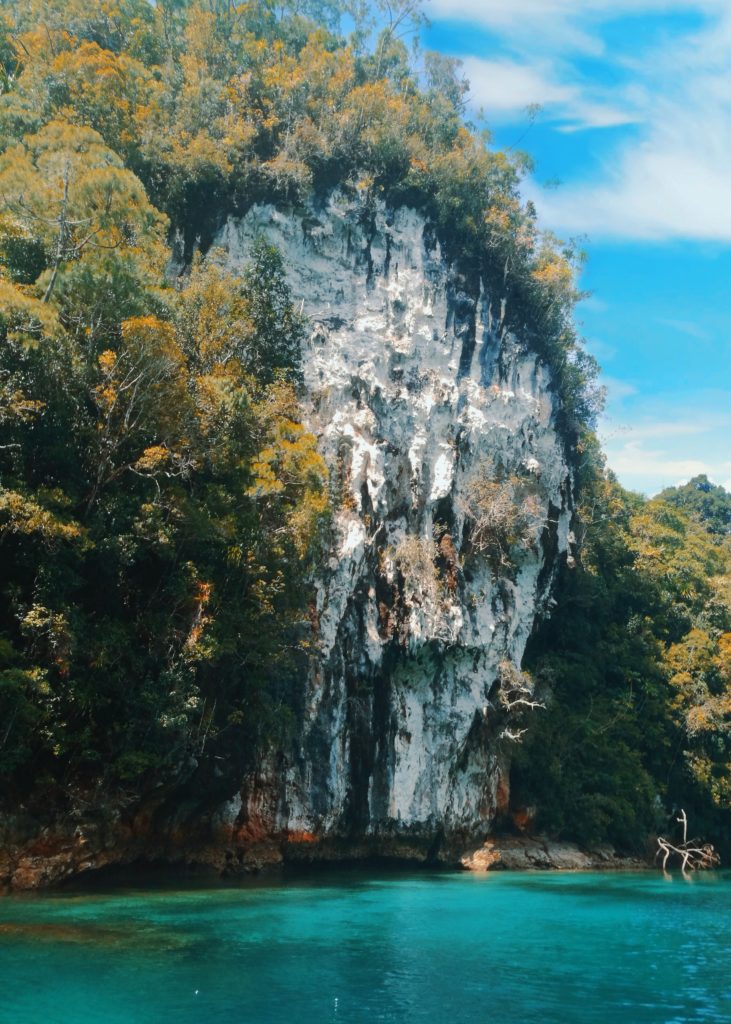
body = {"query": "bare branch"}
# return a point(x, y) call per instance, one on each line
point(693, 854)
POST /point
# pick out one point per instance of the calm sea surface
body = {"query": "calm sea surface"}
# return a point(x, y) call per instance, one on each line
point(357, 947)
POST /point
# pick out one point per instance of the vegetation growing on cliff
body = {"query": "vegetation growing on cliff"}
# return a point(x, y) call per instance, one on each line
point(160, 499)
point(704, 502)
point(214, 105)
point(505, 516)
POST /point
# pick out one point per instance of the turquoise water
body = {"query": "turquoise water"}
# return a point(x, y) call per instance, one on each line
point(352, 947)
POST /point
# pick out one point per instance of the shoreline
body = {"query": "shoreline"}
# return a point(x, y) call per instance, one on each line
point(45, 864)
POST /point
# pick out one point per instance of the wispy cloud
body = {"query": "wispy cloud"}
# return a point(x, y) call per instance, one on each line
point(674, 184)
point(651, 445)
point(687, 327)
point(596, 305)
point(671, 180)
point(650, 470)
point(664, 430)
point(618, 389)
point(505, 88)
point(569, 24)
point(603, 353)
point(667, 179)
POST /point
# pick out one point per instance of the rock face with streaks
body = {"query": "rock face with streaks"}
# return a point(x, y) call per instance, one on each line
point(415, 389)
point(422, 401)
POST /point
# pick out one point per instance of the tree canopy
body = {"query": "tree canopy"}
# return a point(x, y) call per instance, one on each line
point(636, 662)
point(161, 502)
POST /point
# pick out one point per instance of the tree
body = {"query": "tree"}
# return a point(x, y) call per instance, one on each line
point(703, 500)
point(143, 406)
point(69, 195)
point(634, 664)
point(273, 345)
point(161, 499)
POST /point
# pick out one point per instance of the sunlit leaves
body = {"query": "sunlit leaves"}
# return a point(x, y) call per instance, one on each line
point(169, 545)
point(162, 493)
point(67, 191)
point(20, 514)
point(218, 105)
point(289, 474)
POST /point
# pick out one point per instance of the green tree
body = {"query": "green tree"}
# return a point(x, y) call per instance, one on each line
point(703, 500)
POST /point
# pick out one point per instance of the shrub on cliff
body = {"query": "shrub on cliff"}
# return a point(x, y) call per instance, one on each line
point(505, 516)
point(217, 106)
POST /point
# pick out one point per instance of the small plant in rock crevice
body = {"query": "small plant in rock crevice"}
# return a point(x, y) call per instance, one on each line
point(505, 516)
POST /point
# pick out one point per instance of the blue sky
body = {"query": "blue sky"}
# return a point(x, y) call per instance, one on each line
point(636, 125)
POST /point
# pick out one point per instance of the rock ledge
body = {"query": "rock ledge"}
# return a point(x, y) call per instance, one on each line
point(526, 853)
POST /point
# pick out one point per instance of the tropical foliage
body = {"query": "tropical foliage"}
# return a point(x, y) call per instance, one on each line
point(160, 499)
point(212, 105)
point(635, 662)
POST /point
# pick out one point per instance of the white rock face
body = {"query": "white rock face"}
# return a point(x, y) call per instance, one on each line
point(414, 385)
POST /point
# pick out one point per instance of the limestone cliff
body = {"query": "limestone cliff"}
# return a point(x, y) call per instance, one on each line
point(415, 388)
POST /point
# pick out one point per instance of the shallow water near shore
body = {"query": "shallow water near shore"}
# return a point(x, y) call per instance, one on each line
point(362, 946)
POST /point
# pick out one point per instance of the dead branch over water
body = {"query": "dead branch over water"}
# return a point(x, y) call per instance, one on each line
point(692, 853)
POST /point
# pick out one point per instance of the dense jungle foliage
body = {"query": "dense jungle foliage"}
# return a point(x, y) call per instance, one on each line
point(161, 503)
point(635, 662)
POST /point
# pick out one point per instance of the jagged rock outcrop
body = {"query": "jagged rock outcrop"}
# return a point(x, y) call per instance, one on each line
point(415, 389)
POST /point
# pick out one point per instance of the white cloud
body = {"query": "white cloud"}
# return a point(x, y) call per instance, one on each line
point(665, 429)
point(570, 24)
point(632, 461)
point(525, 13)
point(583, 114)
point(667, 180)
point(596, 305)
point(687, 327)
point(651, 444)
point(602, 352)
point(674, 184)
point(649, 470)
point(671, 181)
point(512, 20)
point(618, 389)
point(505, 88)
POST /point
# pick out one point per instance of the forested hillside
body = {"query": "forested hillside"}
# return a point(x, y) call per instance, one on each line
point(162, 505)
point(636, 660)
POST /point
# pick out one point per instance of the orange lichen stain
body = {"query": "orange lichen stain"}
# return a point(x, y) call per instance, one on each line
point(301, 837)
point(251, 831)
point(48, 846)
point(523, 818)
